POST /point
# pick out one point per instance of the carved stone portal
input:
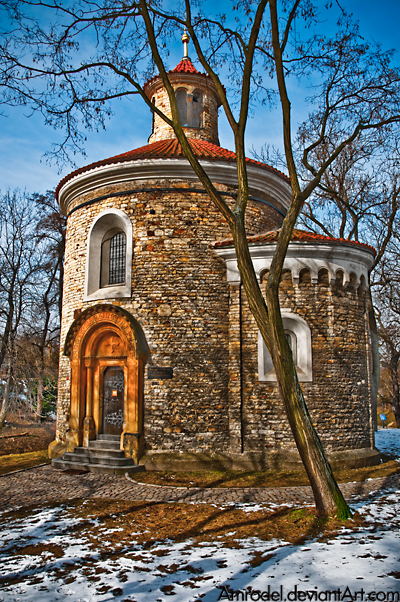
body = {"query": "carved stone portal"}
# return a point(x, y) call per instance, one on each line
point(107, 379)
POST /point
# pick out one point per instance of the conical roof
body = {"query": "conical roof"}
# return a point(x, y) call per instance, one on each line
point(186, 66)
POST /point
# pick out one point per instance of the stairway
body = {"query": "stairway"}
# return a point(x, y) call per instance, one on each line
point(103, 456)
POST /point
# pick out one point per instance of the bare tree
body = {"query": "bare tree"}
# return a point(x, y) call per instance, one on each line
point(44, 326)
point(51, 230)
point(387, 297)
point(19, 268)
point(356, 92)
point(32, 236)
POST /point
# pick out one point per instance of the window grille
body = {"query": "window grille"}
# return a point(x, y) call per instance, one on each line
point(117, 259)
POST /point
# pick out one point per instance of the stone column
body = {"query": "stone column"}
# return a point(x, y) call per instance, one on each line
point(89, 428)
point(132, 441)
point(74, 433)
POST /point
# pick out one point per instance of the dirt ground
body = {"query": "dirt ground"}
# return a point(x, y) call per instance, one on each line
point(22, 435)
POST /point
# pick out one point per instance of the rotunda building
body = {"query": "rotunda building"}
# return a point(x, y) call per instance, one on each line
point(161, 363)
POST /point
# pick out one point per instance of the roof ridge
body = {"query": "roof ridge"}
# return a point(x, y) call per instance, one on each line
point(186, 66)
point(298, 235)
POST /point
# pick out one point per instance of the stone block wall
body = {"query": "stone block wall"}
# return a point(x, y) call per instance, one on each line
point(180, 298)
point(338, 396)
point(209, 118)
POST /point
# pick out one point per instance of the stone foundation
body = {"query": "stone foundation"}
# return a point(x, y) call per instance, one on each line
point(285, 461)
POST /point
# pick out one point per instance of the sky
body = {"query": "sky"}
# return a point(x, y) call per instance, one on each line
point(25, 138)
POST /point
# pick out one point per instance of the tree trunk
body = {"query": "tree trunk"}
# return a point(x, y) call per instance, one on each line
point(39, 402)
point(39, 397)
point(396, 392)
point(329, 499)
point(6, 398)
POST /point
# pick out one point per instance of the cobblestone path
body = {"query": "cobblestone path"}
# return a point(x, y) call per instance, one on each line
point(44, 484)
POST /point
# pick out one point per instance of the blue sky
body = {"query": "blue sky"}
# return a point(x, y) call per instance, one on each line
point(24, 140)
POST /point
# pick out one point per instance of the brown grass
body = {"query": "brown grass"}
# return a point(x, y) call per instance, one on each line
point(145, 523)
point(232, 478)
point(22, 435)
point(19, 461)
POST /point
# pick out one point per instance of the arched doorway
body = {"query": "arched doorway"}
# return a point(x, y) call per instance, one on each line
point(108, 352)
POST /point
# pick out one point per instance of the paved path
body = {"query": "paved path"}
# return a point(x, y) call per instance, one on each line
point(46, 484)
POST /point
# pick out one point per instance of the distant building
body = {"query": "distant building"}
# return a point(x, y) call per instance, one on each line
point(161, 362)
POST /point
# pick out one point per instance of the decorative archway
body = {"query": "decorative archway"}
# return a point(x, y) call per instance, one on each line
point(108, 352)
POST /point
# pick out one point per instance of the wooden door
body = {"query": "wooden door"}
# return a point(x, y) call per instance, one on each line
point(113, 400)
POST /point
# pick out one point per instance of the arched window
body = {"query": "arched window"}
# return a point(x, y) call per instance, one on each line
point(181, 99)
point(298, 335)
point(292, 341)
point(194, 109)
point(109, 256)
point(190, 107)
point(113, 258)
point(153, 119)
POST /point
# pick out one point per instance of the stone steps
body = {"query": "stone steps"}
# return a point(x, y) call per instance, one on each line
point(106, 445)
point(90, 451)
point(102, 456)
point(96, 459)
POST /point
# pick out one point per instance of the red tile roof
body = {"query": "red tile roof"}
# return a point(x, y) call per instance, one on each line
point(166, 149)
point(297, 236)
point(186, 66)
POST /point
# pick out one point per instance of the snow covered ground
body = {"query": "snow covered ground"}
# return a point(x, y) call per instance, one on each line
point(388, 441)
point(352, 566)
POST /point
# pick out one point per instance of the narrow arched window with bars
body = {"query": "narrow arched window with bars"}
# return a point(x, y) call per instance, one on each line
point(116, 273)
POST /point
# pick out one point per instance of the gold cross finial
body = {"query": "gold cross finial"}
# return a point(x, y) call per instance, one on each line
point(185, 40)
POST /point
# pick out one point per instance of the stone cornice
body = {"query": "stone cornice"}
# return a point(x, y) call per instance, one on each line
point(313, 256)
point(221, 172)
point(183, 79)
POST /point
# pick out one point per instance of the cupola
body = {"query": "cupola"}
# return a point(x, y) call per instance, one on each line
point(197, 98)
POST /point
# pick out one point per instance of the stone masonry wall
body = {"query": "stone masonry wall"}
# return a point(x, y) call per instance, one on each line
point(209, 118)
point(338, 397)
point(180, 297)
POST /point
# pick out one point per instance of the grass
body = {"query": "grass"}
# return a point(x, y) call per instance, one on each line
point(18, 461)
point(235, 478)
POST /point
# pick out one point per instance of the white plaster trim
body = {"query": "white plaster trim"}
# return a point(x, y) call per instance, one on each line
point(313, 256)
point(105, 221)
point(222, 172)
point(296, 324)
